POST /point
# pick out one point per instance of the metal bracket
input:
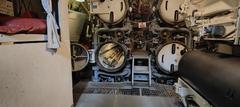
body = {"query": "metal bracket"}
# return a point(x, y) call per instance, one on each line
point(237, 41)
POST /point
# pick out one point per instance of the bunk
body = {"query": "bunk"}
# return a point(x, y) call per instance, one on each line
point(35, 68)
point(26, 30)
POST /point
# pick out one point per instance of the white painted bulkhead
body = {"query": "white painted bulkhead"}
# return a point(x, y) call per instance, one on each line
point(32, 76)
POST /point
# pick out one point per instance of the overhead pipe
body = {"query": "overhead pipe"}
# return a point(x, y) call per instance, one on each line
point(189, 43)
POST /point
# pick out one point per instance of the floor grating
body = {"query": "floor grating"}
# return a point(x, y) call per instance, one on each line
point(95, 94)
point(127, 89)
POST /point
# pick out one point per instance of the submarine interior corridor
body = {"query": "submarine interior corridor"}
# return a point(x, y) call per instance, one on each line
point(155, 53)
point(119, 53)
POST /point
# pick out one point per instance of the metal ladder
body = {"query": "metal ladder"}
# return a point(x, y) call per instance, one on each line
point(141, 72)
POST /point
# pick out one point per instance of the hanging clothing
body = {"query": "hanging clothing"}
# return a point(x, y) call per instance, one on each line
point(52, 27)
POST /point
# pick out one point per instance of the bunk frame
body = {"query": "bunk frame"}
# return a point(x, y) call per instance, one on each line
point(52, 36)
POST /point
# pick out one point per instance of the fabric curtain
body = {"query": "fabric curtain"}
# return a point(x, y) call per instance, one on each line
point(52, 27)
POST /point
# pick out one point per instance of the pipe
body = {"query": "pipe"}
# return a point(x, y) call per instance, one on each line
point(189, 43)
point(127, 28)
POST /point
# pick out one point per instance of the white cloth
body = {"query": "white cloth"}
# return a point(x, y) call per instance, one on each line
point(52, 27)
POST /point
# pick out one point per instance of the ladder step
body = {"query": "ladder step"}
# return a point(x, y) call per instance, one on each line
point(141, 72)
point(141, 78)
point(141, 68)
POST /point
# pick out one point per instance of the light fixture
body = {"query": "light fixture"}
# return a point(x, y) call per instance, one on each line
point(80, 0)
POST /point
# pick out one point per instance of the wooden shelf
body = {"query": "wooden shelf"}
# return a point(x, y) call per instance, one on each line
point(23, 37)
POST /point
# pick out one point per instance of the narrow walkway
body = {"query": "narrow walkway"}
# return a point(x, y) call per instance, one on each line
point(102, 100)
point(124, 95)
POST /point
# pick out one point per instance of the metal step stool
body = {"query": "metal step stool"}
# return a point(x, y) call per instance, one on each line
point(143, 71)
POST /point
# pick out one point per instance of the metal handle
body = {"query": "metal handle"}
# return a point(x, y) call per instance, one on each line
point(121, 6)
point(166, 5)
point(176, 15)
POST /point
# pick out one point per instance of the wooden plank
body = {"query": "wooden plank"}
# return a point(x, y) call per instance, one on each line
point(23, 37)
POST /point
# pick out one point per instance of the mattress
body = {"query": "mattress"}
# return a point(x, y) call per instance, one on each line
point(15, 25)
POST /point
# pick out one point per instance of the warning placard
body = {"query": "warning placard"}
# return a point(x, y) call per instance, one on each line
point(6, 7)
